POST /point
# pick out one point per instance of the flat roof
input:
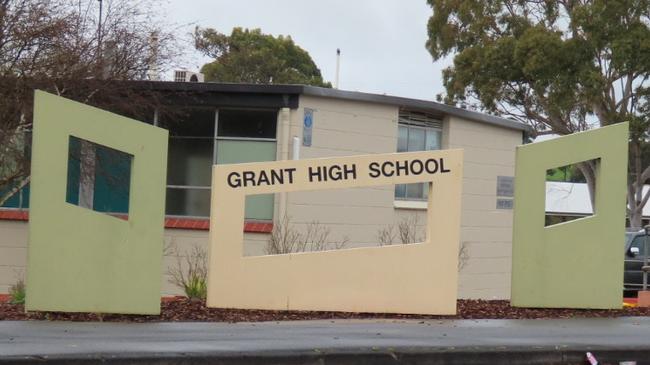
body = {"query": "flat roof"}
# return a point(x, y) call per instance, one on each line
point(288, 89)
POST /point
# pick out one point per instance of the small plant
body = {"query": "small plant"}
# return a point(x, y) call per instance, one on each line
point(17, 292)
point(193, 279)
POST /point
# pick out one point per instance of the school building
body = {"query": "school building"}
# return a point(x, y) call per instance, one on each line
point(232, 123)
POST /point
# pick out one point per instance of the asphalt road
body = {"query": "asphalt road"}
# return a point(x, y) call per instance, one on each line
point(325, 342)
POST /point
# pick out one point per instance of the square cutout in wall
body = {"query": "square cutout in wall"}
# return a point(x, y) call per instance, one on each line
point(99, 177)
point(568, 195)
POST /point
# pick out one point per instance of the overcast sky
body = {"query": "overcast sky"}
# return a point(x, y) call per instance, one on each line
point(381, 41)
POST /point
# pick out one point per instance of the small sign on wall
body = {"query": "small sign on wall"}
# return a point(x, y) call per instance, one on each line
point(505, 192)
point(504, 203)
point(307, 124)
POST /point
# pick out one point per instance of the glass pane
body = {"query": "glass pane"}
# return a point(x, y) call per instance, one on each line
point(433, 139)
point(188, 202)
point(402, 139)
point(194, 122)
point(229, 151)
point(105, 176)
point(112, 181)
point(425, 191)
point(414, 191)
point(416, 139)
point(247, 123)
point(190, 162)
point(74, 166)
point(259, 207)
point(639, 242)
point(400, 191)
point(19, 200)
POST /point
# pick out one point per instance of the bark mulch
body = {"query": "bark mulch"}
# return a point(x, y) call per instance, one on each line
point(181, 309)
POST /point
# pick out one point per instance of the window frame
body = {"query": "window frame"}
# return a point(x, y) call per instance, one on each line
point(421, 122)
point(215, 138)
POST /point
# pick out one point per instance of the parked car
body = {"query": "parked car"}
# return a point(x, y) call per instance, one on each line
point(634, 254)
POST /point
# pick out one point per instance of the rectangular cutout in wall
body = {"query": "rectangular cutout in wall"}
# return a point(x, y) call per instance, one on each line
point(99, 177)
point(568, 195)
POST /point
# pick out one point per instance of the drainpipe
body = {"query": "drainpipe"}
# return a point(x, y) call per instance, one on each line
point(284, 145)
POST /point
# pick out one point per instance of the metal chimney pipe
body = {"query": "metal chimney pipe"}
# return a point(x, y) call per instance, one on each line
point(338, 68)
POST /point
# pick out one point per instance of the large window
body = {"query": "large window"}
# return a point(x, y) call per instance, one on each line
point(416, 132)
point(242, 135)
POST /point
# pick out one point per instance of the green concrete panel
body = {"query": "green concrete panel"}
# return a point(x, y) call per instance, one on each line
point(577, 264)
point(258, 207)
point(81, 260)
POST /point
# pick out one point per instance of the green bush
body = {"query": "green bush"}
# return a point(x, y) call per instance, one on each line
point(17, 293)
point(190, 275)
point(196, 287)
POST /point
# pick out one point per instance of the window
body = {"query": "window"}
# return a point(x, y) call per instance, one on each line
point(17, 151)
point(242, 135)
point(416, 132)
point(99, 177)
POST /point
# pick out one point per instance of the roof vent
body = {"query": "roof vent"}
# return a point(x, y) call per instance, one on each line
point(188, 76)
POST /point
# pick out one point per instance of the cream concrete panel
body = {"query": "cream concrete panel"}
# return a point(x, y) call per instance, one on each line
point(486, 170)
point(341, 215)
point(369, 197)
point(490, 156)
point(480, 202)
point(13, 256)
point(14, 234)
point(339, 151)
point(487, 265)
point(481, 218)
point(343, 111)
point(480, 186)
point(486, 234)
point(489, 249)
point(479, 127)
point(416, 278)
point(485, 281)
point(9, 274)
point(405, 213)
point(361, 142)
point(498, 293)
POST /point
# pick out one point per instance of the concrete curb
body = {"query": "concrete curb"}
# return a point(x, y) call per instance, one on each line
point(432, 356)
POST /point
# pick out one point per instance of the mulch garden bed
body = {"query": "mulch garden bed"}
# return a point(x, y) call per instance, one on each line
point(181, 309)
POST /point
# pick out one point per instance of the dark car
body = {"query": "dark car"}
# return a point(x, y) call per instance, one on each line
point(634, 254)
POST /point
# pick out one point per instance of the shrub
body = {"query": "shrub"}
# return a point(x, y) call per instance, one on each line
point(17, 292)
point(193, 279)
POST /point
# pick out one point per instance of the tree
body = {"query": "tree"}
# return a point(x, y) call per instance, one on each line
point(63, 47)
point(249, 56)
point(562, 66)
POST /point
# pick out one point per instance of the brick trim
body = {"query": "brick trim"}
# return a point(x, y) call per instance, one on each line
point(14, 215)
point(174, 223)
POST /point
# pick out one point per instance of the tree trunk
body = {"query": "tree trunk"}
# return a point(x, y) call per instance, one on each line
point(588, 169)
point(636, 200)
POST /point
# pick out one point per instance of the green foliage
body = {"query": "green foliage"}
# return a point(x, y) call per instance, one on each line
point(569, 173)
point(552, 63)
point(249, 56)
point(17, 293)
point(561, 66)
point(196, 287)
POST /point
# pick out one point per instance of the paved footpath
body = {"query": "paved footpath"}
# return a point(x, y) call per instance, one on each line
point(329, 342)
